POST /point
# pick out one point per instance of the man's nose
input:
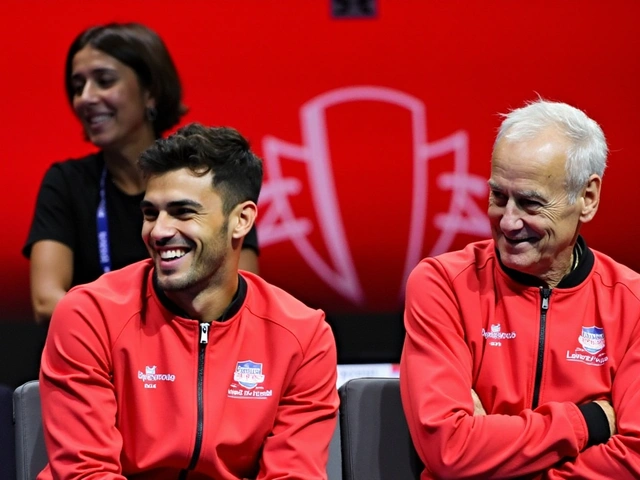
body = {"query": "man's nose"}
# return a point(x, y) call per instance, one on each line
point(163, 227)
point(511, 218)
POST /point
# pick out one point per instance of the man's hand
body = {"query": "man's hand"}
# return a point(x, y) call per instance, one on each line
point(479, 410)
point(611, 415)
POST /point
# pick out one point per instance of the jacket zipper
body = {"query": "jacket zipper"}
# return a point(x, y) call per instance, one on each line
point(545, 293)
point(204, 341)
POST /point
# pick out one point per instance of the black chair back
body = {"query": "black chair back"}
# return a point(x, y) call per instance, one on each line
point(376, 444)
point(31, 454)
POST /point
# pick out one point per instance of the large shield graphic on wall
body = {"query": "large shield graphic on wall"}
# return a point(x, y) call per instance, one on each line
point(363, 196)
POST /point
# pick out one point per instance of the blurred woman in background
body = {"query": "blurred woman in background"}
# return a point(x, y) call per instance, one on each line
point(125, 91)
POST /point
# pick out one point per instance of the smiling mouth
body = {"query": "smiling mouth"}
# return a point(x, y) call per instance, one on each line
point(174, 254)
point(98, 119)
point(518, 241)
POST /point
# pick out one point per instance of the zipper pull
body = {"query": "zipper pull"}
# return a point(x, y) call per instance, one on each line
point(204, 333)
point(546, 293)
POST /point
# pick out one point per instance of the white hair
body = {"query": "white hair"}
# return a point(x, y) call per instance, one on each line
point(586, 155)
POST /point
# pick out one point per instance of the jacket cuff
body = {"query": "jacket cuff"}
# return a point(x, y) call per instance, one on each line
point(597, 423)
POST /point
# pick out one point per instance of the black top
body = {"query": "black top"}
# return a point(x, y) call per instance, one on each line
point(66, 212)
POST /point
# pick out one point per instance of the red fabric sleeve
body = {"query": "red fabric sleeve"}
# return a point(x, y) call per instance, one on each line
point(298, 447)
point(436, 383)
point(77, 396)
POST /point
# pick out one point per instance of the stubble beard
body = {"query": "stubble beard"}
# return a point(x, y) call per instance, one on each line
point(203, 268)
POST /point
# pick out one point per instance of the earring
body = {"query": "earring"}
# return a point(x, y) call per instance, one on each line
point(151, 113)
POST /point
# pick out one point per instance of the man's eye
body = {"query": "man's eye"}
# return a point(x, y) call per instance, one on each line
point(183, 212)
point(531, 204)
point(498, 196)
point(149, 214)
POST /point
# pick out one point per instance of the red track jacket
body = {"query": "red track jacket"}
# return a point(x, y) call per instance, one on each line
point(130, 389)
point(532, 355)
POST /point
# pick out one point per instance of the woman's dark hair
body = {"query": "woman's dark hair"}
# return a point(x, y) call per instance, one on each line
point(142, 50)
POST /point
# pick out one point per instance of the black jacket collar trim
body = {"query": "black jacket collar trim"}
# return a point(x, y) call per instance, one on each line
point(573, 279)
point(230, 311)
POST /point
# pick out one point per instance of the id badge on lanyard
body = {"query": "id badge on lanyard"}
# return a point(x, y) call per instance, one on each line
point(103, 225)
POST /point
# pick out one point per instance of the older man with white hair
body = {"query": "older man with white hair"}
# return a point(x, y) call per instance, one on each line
point(522, 355)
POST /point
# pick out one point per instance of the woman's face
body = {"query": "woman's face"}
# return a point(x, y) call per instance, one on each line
point(109, 101)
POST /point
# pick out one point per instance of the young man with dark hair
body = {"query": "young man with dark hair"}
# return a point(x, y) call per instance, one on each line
point(180, 366)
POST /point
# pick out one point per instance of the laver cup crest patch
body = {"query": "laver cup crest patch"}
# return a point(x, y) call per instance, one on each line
point(248, 374)
point(592, 350)
point(592, 339)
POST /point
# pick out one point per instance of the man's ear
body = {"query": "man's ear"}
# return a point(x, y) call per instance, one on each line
point(244, 216)
point(590, 198)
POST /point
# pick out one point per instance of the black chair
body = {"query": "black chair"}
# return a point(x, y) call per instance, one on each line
point(334, 466)
point(31, 454)
point(7, 442)
point(376, 444)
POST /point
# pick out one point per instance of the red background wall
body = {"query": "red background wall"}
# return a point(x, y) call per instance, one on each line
point(254, 64)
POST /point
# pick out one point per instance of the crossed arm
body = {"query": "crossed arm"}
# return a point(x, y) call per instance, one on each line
point(607, 408)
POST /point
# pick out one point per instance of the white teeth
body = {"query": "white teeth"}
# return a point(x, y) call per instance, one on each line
point(172, 254)
point(103, 117)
